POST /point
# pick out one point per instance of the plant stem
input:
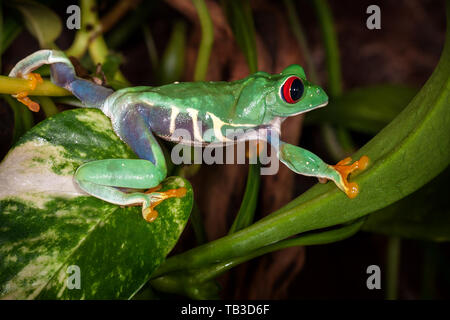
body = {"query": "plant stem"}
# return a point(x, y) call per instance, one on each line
point(246, 212)
point(429, 270)
point(304, 240)
point(177, 281)
point(393, 263)
point(206, 43)
point(116, 13)
point(334, 74)
point(286, 222)
point(301, 39)
point(14, 85)
point(331, 47)
point(197, 225)
point(48, 106)
point(23, 118)
point(151, 48)
point(82, 37)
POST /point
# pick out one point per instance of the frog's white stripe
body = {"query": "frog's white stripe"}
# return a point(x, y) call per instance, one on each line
point(218, 124)
point(194, 117)
point(173, 117)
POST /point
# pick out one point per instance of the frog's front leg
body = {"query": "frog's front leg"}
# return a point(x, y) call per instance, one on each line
point(103, 178)
point(307, 163)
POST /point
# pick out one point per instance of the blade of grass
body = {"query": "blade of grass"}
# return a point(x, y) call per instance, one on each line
point(171, 65)
point(48, 106)
point(239, 14)
point(246, 212)
point(11, 28)
point(330, 41)
point(23, 118)
point(393, 264)
point(151, 48)
point(197, 225)
point(297, 29)
point(204, 51)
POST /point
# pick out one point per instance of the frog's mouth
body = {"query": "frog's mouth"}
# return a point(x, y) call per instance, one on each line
point(308, 110)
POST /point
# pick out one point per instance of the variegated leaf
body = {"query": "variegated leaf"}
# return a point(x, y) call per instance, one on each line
point(48, 224)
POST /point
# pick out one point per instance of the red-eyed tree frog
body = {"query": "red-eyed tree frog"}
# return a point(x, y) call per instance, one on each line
point(260, 101)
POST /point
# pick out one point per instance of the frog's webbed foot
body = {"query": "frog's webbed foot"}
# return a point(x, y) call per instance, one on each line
point(22, 96)
point(156, 197)
point(344, 168)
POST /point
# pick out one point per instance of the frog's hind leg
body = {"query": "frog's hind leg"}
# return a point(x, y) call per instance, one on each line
point(63, 75)
point(102, 178)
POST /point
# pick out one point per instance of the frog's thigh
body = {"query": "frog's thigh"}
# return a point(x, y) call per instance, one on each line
point(99, 179)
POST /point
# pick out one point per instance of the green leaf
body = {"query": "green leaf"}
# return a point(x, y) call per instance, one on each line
point(23, 118)
point(240, 17)
point(41, 22)
point(171, 65)
point(206, 43)
point(47, 105)
point(405, 155)
point(111, 65)
point(424, 215)
point(367, 109)
point(246, 212)
point(330, 40)
point(47, 223)
point(11, 28)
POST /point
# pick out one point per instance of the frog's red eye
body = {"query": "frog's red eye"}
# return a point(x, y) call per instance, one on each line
point(292, 89)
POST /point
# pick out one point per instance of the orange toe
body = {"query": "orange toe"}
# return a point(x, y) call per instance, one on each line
point(22, 96)
point(149, 213)
point(345, 168)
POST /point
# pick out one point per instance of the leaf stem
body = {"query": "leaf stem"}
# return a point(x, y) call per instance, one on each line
point(116, 13)
point(206, 43)
point(246, 212)
point(331, 47)
point(48, 106)
point(176, 281)
point(197, 225)
point(46, 88)
point(301, 39)
point(393, 263)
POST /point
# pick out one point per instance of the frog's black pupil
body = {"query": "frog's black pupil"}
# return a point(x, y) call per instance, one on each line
point(296, 89)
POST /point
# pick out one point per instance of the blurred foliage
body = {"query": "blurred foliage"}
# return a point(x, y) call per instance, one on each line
point(40, 21)
point(366, 110)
